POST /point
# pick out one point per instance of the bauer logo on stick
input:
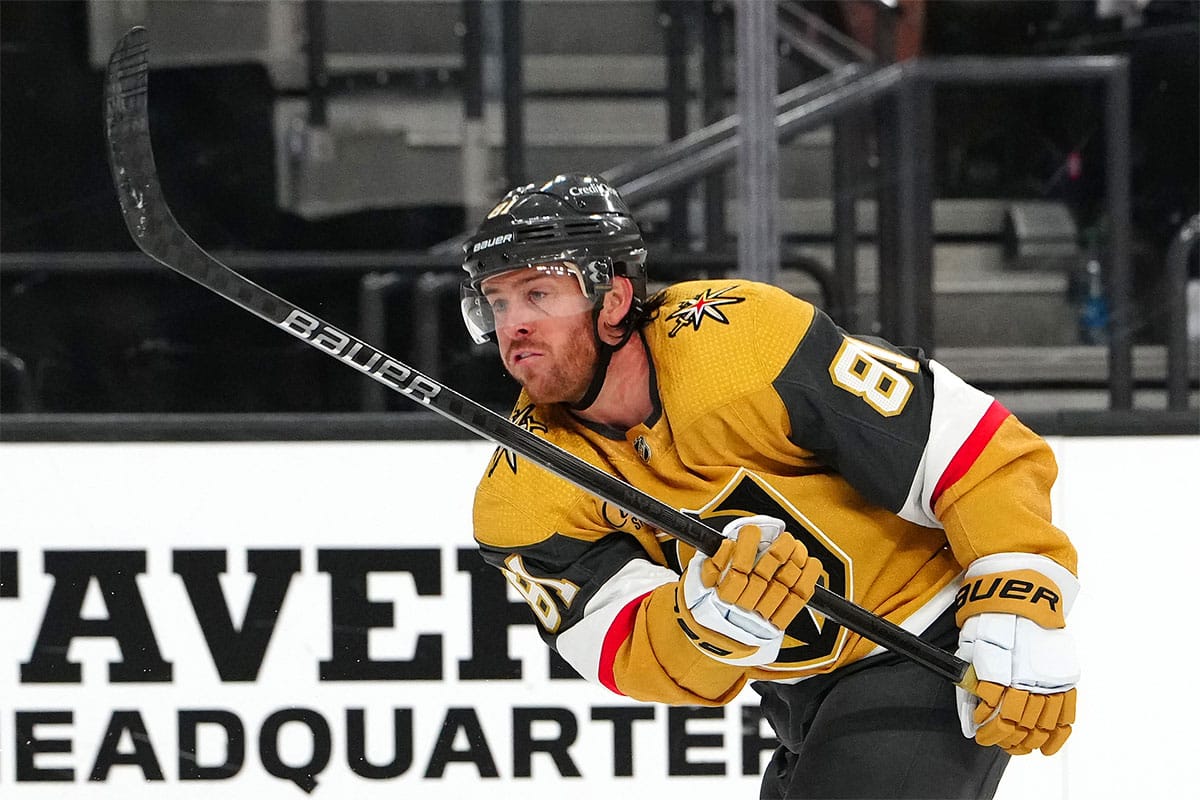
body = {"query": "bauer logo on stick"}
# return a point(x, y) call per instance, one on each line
point(360, 355)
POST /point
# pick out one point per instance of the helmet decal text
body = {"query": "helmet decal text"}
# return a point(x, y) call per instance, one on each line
point(503, 238)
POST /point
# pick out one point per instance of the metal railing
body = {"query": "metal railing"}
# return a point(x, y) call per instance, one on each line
point(902, 94)
point(428, 279)
point(901, 97)
point(1179, 356)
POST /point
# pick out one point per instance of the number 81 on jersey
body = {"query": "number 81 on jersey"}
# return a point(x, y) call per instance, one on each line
point(874, 373)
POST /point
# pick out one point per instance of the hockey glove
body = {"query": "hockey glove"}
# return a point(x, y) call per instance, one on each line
point(735, 605)
point(1012, 612)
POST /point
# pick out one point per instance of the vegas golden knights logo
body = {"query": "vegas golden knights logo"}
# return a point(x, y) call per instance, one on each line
point(812, 639)
point(523, 418)
point(706, 305)
point(642, 448)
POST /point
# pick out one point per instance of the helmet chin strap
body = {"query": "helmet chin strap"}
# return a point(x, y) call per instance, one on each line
point(604, 353)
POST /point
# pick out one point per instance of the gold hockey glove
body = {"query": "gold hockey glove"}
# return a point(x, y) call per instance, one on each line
point(1020, 721)
point(735, 605)
point(1012, 611)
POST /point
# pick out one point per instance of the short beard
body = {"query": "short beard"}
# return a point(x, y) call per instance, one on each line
point(568, 381)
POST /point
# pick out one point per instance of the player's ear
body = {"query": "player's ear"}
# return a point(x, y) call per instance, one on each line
point(617, 302)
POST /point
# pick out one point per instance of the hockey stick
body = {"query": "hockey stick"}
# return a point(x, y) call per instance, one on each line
point(158, 234)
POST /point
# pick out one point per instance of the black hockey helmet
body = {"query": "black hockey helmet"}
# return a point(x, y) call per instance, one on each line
point(575, 219)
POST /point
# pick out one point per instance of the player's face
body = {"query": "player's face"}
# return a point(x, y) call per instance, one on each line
point(544, 329)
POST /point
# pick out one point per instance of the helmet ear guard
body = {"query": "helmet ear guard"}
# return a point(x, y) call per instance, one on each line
point(598, 276)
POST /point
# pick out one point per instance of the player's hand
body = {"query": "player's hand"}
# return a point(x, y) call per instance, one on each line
point(735, 605)
point(1027, 667)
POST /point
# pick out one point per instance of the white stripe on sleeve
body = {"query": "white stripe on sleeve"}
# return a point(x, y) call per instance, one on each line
point(581, 644)
point(957, 409)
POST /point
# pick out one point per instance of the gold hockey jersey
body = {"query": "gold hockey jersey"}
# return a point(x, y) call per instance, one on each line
point(893, 472)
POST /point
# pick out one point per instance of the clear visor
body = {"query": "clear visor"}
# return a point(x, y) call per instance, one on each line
point(552, 289)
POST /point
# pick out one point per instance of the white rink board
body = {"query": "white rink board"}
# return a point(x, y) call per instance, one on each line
point(320, 499)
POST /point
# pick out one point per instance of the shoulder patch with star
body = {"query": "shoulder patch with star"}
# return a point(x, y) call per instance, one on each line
point(705, 305)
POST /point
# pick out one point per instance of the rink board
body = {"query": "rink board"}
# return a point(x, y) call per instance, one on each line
point(380, 657)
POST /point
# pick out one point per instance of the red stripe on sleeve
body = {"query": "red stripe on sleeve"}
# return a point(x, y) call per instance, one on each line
point(617, 633)
point(971, 448)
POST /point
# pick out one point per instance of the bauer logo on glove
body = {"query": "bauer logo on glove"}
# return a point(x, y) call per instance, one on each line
point(1025, 592)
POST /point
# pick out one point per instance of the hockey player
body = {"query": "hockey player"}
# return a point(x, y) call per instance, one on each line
point(823, 457)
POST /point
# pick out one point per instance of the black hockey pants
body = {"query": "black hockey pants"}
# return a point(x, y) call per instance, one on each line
point(882, 728)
